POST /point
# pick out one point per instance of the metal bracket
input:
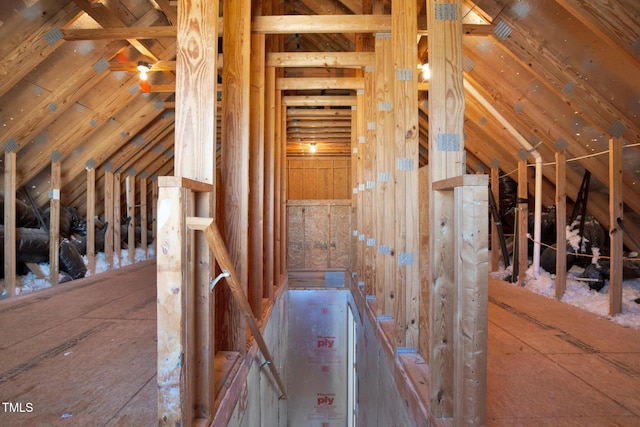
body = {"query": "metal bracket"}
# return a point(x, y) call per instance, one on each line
point(213, 282)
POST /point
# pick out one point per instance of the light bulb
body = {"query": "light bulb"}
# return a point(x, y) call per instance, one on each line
point(312, 147)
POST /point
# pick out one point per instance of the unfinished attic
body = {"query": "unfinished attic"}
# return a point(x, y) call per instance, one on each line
point(320, 213)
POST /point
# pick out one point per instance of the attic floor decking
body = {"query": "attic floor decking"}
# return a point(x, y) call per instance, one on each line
point(551, 364)
point(85, 354)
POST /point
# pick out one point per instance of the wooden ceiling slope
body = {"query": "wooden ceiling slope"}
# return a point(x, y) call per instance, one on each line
point(562, 72)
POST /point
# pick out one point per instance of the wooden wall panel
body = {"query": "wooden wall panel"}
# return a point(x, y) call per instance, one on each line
point(319, 234)
point(316, 225)
point(296, 236)
point(324, 179)
point(339, 236)
point(310, 182)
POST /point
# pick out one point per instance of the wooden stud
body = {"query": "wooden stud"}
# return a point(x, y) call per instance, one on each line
point(269, 182)
point(117, 218)
point(144, 224)
point(10, 223)
point(423, 345)
point(235, 145)
point(523, 222)
point(471, 319)
point(256, 173)
point(174, 394)
point(130, 183)
point(91, 220)
point(108, 217)
point(495, 238)
point(615, 232)
point(385, 299)
point(405, 105)
point(54, 223)
point(561, 224)
point(446, 160)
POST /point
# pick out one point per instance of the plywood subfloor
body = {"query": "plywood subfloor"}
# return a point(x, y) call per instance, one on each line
point(83, 353)
point(551, 364)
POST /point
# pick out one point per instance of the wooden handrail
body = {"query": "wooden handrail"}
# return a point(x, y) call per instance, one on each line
point(219, 249)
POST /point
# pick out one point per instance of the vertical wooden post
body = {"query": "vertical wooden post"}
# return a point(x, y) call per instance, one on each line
point(195, 158)
point(495, 238)
point(561, 223)
point(54, 223)
point(117, 217)
point(283, 197)
point(108, 217)
point(174, 392)
point(369, 177)
point(615, 232)
point(154, 208)
point(131, 214)
point(385, 150)
point(446, 160)
point(523, 222)
point(279, 203)
point(91, 219)
point(235, 149)
point(425, 260)
point(10, 222)
point(471, 320)
point(256, 173)
point(405, 104)
point(357, 130)
point(269, 177)
point(143, 215)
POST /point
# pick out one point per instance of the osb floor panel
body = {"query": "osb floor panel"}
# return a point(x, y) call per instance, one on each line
point(551, 364)
point(83, 353)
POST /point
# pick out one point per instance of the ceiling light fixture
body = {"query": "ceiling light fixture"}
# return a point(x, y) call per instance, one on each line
point(143, 67)
point(426, 71)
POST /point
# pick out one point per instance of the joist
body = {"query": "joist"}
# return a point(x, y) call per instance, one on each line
point(307, 83)
point(320, 59)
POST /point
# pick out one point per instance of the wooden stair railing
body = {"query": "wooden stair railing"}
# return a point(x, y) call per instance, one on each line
point(219, 249)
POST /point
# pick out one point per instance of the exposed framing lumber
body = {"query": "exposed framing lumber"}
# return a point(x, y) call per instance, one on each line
point(109, 211)
point(384, 87)
point(235, 162)
point(446, 160)
point(495, 239)
point(405, 105)
point(312, 101)
point(256, 173)
point(309, 83)
point(615, 232)
point(522, 222)
point(91, 220)
point(9, 222)
point(130, 192)
point(471, 276)
point(144, 224)
point(269, 181)
point(187, 394)
point(223, 258)
point(34, 49)
point(54, 223)
point(117, 217)
point(320, 59)
point(561, 223)
point(320, 24)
